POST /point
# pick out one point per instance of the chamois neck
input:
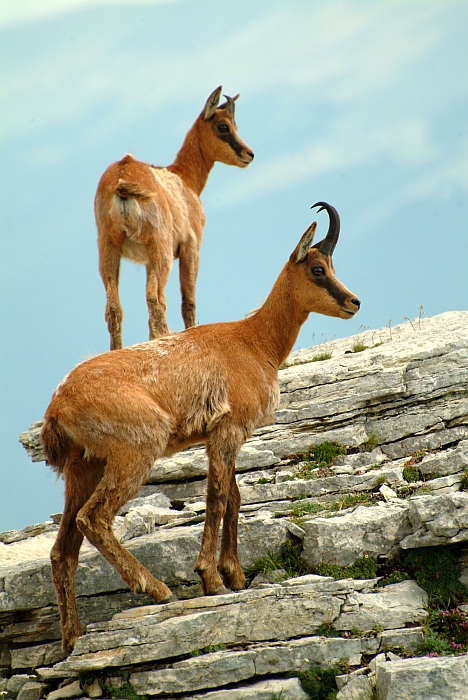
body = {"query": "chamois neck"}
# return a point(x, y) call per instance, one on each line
point(191, 163)
point(276, 325)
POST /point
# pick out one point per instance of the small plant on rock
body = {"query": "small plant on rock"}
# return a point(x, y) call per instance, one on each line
point(288, 558)
point(410, 474)
point(362, 568)
point(320, 683)
point(452, 626)
point(319, 457)
point(321, 357)
point(464, 481)
point(359, 346)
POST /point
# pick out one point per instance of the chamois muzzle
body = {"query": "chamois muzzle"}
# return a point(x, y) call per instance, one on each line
point(331, 239)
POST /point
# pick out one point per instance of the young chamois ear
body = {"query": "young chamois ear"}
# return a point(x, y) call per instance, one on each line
point(212, 103)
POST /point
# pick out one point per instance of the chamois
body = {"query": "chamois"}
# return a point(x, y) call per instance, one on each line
point(116, 413)
point(153, 215)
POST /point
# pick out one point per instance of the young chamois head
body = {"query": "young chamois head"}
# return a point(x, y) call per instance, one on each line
point(316, 285)
point(220, 140)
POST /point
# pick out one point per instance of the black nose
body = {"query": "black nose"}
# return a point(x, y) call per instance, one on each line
point(356, 302)
point(251, 154)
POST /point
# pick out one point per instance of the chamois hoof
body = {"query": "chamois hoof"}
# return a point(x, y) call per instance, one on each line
point(171, 598)
point(221, 590)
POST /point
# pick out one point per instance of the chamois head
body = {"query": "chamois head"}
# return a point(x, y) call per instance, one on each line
point(315, 284)
point(220, 140)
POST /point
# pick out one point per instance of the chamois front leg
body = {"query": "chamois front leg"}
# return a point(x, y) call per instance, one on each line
point(229, 566)
point(189, 260)
point(222, 448)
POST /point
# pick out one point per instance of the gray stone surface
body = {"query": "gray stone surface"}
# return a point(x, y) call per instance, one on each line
point(225, 667)
point(31, 691)
point(284, 688)
point(442, 678)
point(366, 531)
point(40, 655)
point(403, 396)
point(274, 612)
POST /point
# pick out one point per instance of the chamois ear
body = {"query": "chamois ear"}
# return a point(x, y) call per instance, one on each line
point(211, 103)
point(304, 244)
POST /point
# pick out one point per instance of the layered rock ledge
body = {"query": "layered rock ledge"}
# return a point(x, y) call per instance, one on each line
point(400, 406)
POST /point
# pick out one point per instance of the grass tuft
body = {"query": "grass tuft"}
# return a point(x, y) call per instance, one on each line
point(362, 568)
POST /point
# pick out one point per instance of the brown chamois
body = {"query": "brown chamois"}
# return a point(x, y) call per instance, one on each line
point(152, 215)
point(116, 413)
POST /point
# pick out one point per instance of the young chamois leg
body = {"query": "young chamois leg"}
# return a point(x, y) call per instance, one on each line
point(81, 478)
point(126, 469)
point(229, 566)
point(157, 272)
point(222, 447)
point(189, 259)
point(109, 268)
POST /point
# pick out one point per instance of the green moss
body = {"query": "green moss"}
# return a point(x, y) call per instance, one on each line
point(306, 508)
point(126, 692)
point(362, 568)
point(410, 474)
point(320, 683)
point(327, 630)
point(437, 571)
point(288, 558)
point(207, 650)
point(353, 499)
point(371, 442)
point(318, 457)
point(432, 644)
point(464, 481)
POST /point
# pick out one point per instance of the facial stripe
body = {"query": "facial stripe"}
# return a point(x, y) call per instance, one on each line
point(232, 140)
point(333, 287)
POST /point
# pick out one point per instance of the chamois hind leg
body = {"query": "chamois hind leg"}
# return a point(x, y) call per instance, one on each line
point(222, 448)
point(229, 566)
point(126, 470)
point(81, 478)
point(157, 272)
point(189, 259)
point(109, 269)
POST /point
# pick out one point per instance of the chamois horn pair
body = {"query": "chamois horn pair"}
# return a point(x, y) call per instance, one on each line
point(331, 239)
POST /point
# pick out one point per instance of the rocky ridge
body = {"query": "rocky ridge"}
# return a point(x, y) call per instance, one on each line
point(397, 399)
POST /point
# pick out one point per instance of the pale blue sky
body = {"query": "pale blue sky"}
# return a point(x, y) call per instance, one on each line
point(360, 103)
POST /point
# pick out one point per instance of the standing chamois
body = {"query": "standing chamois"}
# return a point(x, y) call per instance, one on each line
point(115, 414)
point(152, 215)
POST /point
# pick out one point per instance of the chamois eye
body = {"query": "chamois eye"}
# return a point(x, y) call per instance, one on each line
point(318, 270)
point(223, 128)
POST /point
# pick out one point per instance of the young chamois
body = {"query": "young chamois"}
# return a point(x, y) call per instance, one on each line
point(152, 215)
point(116, 413)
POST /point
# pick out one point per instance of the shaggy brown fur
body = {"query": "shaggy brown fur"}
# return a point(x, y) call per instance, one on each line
point(152, 215)
point(115, 414)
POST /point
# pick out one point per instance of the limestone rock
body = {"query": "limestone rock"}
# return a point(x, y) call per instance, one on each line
point(374, 530)
point(441, 678)
point(285, 688)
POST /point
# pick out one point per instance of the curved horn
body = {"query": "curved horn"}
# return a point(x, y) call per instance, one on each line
point(328, 245)
point(229, 104)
